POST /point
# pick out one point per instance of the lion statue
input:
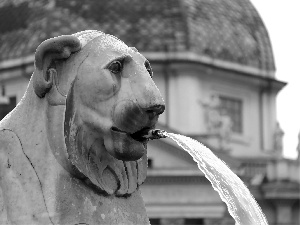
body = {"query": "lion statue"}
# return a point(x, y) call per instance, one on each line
point(73, 151)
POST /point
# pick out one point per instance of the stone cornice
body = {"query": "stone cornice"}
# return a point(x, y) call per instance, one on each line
point(174, 172)
point(166, 56)
point(11, 63)
point(193, 57)
point(180, 179)
point(281, 190)
point(266, 78)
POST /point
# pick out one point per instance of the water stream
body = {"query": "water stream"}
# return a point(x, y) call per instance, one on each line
point(241, 204)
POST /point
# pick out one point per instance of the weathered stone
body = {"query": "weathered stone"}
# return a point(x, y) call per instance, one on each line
point(67, 153)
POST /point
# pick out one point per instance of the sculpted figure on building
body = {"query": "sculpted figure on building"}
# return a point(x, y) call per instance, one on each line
point(218, 122)
point(72, 151)
point(278, 141)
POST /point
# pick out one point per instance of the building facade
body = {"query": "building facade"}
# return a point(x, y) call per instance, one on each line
point(213, 63)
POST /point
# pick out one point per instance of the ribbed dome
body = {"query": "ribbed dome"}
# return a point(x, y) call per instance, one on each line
point(225, 30)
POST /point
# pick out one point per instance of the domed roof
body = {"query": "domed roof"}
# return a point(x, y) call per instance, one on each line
point(228, 31)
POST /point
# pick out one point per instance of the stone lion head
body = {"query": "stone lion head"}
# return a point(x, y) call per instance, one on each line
point(104, 100)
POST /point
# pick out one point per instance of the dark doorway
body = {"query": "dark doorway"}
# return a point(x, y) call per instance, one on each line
point(193, 221)
point(154, 221)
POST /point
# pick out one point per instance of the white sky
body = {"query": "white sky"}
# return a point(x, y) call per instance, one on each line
point(282, 19)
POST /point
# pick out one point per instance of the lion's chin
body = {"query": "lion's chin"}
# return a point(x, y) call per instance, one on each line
point(123, 147)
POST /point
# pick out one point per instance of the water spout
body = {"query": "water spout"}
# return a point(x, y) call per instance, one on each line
point(155, 134)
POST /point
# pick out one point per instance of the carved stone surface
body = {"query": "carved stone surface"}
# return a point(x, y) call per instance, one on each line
point(67, 154)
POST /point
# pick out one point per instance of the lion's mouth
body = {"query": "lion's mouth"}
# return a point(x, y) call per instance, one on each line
point(138, 135)
point(128, 146)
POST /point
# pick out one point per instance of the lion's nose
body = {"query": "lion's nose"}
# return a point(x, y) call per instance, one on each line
point(155, 110)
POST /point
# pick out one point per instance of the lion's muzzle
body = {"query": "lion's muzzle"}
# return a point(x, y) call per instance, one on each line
point(131, 124)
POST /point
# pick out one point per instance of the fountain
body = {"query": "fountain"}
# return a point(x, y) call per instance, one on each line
point(73, 151)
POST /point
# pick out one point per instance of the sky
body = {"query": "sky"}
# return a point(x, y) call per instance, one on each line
point(282, 19)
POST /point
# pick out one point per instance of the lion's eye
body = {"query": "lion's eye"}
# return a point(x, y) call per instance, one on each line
point(148, 68)
point(116, 67)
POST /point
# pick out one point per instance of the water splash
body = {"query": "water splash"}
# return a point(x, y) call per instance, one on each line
point(240, 202)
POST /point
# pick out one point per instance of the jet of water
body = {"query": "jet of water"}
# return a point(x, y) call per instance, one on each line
point(240, 202)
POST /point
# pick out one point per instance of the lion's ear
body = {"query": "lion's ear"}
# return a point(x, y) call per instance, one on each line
point(47, 52)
